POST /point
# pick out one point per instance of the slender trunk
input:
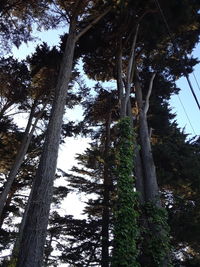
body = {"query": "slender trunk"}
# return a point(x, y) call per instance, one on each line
point(7, 204)
point(156, 227)
point(120, 85)
point(138, 171)
point(106, 199)
point(150, 183)
point(34, 233)
point(18, 161)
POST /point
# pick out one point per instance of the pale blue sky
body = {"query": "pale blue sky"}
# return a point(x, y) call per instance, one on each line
point(188, 101)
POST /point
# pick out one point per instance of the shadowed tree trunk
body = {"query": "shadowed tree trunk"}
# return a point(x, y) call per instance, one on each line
point(156, 227)
point(150, 181)
point(35, 228)
point(34, 232)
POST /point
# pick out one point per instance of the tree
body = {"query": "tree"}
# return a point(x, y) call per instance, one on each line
point(31, 253)
point(149, 49)
point(19, 18)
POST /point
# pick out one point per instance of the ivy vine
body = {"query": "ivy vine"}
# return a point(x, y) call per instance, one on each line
point(126, 230)
point(158, 242)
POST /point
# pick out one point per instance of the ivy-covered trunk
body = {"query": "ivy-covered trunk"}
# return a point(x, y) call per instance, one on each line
point(125, 215)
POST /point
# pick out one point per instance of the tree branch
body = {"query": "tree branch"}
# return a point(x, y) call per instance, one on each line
point(132, 55)
point(131, 66)
point(119, 72)
point(146, 107)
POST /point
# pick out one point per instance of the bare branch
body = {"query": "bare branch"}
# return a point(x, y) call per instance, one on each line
point(131, 66)
point(146, 107)
point(119, 72)
point(132, 56)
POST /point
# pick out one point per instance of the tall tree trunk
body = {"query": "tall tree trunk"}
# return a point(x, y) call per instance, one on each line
point(138, 171)
point(156, 227)
point(18, 161)
point(35, 228)
point(34, 232)
point(106, 199)
point(150, 182)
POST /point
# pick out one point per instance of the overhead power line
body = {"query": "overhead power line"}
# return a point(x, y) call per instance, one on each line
point(184, 109)
point(178, 52)
point(196, 81)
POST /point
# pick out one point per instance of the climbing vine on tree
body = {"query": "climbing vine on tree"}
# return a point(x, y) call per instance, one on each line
point(126, 230)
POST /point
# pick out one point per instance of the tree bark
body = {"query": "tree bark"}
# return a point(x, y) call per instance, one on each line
point(34, 232)
point(138, 171)
point(35, 228)
point(150, 182)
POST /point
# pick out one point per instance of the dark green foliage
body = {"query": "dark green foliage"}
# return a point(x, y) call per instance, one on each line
point(76, 241)
point(126, 230)
point(14, 82)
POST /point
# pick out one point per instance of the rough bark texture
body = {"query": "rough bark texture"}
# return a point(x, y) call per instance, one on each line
point(139, 174)
point(34, 233)
point(106, 199)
